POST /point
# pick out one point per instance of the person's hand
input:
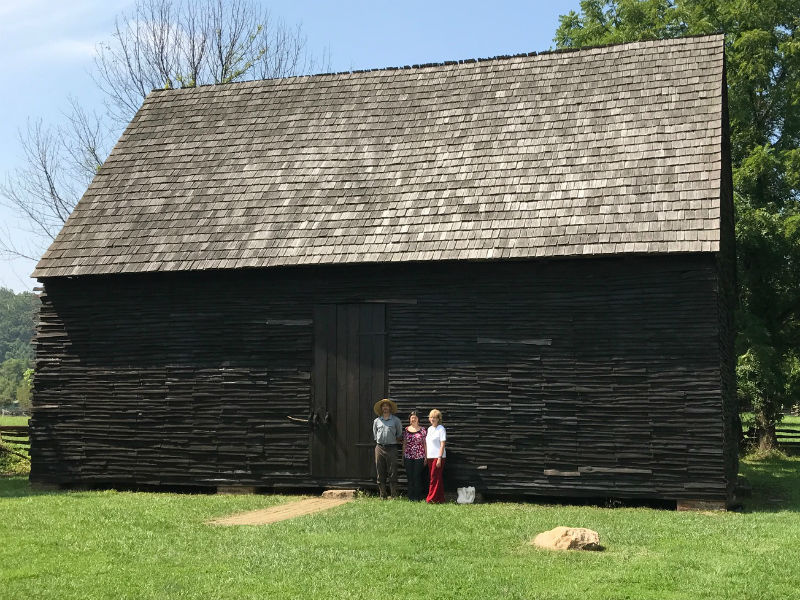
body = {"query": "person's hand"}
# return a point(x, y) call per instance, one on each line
point(438, 462)
point(425, 461)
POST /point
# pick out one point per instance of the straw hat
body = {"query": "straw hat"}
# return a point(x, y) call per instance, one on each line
point(377, 407)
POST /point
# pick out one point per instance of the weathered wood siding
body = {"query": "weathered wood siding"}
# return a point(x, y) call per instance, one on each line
point(581, 377)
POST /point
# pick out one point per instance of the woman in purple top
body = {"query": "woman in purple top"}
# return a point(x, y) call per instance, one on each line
point(414, 457)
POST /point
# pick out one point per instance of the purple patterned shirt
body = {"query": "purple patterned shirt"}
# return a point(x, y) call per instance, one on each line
point(415, 443)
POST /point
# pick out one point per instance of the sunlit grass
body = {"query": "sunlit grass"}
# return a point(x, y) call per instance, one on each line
point(138, 545)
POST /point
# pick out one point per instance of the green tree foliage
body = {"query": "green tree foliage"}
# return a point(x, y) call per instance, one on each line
point(12, 372)
point(25, 390)
point(17, 323)
point(763, 75)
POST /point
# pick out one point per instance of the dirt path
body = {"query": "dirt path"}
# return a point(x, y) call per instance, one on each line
point(281, 512)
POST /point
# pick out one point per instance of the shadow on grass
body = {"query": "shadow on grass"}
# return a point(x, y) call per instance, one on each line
point(18, 486)
point(775, 483)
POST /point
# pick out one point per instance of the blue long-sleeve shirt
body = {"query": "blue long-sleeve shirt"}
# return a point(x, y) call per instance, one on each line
point(389, 431)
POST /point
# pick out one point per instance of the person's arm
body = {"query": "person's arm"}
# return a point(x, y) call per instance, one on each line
point(399, 424)
point(442, 442)
point(375, 430)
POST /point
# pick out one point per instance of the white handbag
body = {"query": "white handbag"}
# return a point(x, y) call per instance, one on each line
point(466, 495)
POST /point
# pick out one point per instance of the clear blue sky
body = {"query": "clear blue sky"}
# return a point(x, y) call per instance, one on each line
point(46, 49)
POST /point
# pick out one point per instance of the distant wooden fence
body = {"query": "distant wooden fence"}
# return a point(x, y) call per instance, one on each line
point(788, 436)
point(15, 439)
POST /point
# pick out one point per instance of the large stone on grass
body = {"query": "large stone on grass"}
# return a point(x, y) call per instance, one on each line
point(568, 538)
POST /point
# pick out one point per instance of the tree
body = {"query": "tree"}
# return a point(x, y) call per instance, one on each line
point(12, 374)
point(25, 391)
point(159, 44)
point(763, 74)
point(185, 43)
point(59, 163)
point(17, 323)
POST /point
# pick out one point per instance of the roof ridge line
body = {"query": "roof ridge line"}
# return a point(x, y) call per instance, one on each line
point(447, 63)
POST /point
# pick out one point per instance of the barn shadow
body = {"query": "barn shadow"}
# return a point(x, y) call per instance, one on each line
point(772, 483)
point(18, 486)
point(767, 485)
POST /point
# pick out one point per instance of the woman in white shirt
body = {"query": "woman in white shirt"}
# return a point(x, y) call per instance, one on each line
point(435, 454)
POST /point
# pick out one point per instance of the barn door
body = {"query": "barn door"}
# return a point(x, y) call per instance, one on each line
point(349, 377)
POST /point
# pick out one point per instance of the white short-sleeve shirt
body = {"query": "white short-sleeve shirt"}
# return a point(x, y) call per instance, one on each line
point(433, 441)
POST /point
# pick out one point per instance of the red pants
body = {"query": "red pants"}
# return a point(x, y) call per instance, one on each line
point(436, 489)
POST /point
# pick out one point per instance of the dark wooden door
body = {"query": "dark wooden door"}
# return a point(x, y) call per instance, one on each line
point(349, 377)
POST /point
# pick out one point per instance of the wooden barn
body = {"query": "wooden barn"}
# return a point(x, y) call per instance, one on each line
point(541, 246)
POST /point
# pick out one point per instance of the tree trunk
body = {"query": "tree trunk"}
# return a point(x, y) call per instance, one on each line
point(765, 430)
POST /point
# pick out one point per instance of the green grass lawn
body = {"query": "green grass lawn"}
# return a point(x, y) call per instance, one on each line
point(139, 545)
point(7, 420)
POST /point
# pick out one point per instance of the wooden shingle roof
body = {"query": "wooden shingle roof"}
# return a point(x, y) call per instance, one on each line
point(597, 151)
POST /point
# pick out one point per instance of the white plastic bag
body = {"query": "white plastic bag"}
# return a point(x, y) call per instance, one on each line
point(466, 495)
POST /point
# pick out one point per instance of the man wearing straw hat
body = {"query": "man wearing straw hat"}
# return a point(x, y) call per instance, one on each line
point(388, 433)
